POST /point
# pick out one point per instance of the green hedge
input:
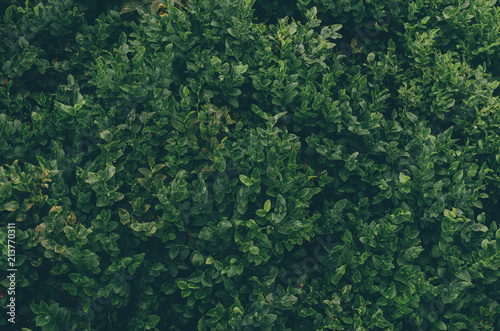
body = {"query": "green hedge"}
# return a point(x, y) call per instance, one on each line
point(250, 165)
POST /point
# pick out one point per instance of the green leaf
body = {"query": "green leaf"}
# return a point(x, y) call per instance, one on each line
point(201, 324)
point(75, 277)
point(67, 109)
point(403, 178)
point(479, 227)
point(140, 92)
point(289, 300)
point(223, 226)
point(261, 213)
point(356, 277)
point(245, 180)
point(106, 135)
point(182, 285)
point(440, 325)
point(23, 42)
point(200, 294)
point(173, 252)
point(42, 320)
point(102, 201)
point(48, 244)
point(233, 271)
point(158, 167)
point(127, 88)
point(126, 261)
point(446, 296)
point(256, 175)
point(240, 69)
point(145, 172)
point(267, 205)
point(280, 204)
point(206, 282)
point(478, 204)
point(463, 275)
point(338, 274)
point(391, 291)
point(340, 205)
point(458, 176)
point(259, 111)
point(247, 320)
point(268, 319)
point(130, 6)
point(206, 234)
point(177, 123)
point(350, 164)
point(109, 172)
point(92, 178)
point(113, 267)
point(450, 214)
point(6, 189)
point(11, 206)
point(124, 216)
point(411, 117)
point(201, 188)
point(197, 259)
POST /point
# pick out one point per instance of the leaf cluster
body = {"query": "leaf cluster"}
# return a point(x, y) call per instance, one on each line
point(168, 165)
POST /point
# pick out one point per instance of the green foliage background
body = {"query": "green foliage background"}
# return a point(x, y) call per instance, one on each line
point(392, 148)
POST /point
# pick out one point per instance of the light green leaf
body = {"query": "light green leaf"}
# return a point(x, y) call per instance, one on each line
point(127, 88)
point(145, 172)
point(450, 213)
point(23, 42)
point(458, 176)
point(245, 180)
point(479, 227)
point(185, 91)
point(75, 277)
point(338, 274)
point(463, 275)
point(102, 201)
point(11, 206)
point(233, 271)
point(141, 92)
point(440, 325)
point(42, 320)
point(411, 117)
point(267, 205)
point(403, 178)
point(261, 213)
point(109, 172)
point(289, 300)
point(391, 291)
point(67, 109)
point(240, 69)
point(206, 234)
point(224, 225)
point(280, 204)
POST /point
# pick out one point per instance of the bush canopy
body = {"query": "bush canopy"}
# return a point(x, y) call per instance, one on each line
point(250, 165)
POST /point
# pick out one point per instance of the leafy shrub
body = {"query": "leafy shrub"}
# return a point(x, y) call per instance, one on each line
point(180, 165)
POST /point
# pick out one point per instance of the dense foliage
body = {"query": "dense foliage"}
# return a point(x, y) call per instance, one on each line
point(170, 165)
